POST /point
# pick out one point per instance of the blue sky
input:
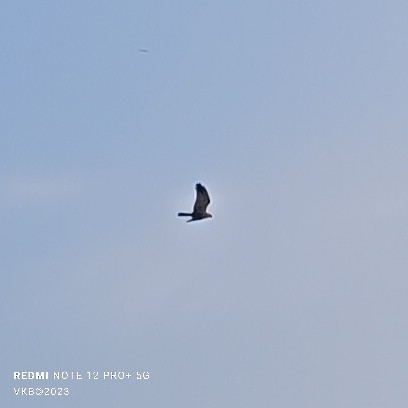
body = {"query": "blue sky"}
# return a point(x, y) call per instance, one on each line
point(292, 114)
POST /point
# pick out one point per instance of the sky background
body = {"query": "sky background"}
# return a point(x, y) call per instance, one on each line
point(293, 114)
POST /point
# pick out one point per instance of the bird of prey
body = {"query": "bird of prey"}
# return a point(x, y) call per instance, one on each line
point(200, 205)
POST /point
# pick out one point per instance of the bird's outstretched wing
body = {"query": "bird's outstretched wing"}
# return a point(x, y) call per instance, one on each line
point(202, 200)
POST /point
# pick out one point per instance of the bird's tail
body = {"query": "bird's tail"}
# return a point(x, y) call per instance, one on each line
point(184, 215)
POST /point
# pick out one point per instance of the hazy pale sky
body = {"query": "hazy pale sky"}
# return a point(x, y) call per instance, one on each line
point(293, 114)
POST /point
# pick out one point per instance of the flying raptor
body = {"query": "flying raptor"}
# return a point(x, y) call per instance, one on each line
point(200, 205)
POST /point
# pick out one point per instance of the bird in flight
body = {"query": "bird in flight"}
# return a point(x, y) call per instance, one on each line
point(200, 205)
point(143, 50)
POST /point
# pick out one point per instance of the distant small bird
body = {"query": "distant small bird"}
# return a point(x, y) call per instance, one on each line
point(143, 50)
point(200, 205)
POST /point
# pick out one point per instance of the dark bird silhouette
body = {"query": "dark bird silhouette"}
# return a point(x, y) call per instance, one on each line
point(143, 50)
point(200, 205)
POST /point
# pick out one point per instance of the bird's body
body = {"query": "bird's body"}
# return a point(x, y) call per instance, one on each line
point(200, 205)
